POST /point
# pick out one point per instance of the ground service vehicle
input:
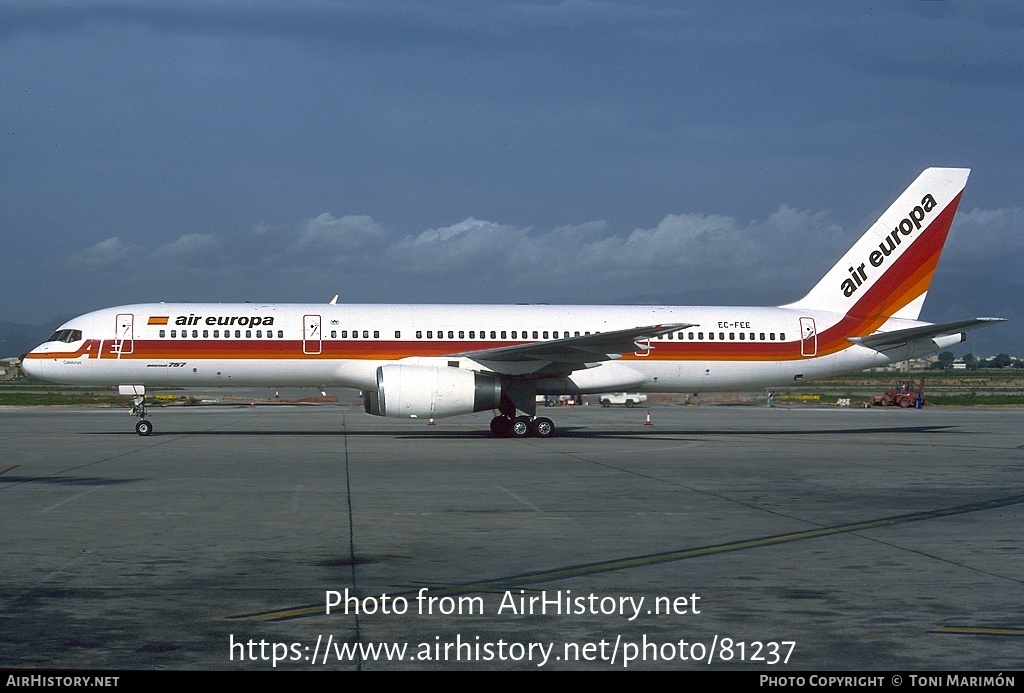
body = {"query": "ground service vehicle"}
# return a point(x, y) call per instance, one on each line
point(903, 396)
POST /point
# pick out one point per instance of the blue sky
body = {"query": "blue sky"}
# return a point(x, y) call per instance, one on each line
point(495, 152)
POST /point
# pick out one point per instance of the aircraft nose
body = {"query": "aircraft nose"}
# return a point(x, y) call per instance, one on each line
point(30, 365)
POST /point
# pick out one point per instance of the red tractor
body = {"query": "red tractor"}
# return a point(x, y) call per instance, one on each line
point(903, 396)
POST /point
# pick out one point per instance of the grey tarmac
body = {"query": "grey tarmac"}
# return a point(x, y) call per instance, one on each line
point(873, 539)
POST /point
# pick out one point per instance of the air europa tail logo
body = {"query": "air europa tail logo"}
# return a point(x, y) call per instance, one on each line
point(214, 320)
point(877, 258)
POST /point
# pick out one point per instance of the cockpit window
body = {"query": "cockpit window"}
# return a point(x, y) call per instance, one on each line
point(66, 336)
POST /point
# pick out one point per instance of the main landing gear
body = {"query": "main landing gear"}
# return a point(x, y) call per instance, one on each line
point(503, 426)
point(144, 427)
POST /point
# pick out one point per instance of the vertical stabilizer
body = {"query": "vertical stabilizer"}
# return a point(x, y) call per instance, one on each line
point(887, 271)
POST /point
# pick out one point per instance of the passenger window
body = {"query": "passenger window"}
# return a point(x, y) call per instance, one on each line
point(366, 334)
point(732, 336)
point(419, 334)
point(535, 335)
point(376, 334)
point(280, 334)
point(762, 336)
point(771, 336)
point(493, 334)
point(398, 335)
point(742, 336)
point(462, 334)
point(162, 333)
point(782, 336)
point(711, 335)
point(248, 334)
point(334, 334)
point(503, 334)
point(472, 334)
point(430, 334)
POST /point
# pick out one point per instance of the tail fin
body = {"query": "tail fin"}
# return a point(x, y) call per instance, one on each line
point(887, 271)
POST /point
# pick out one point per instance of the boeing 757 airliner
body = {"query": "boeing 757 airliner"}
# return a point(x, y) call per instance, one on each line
point(443, 360)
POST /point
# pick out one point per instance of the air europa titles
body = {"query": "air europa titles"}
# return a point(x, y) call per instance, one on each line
point(243, 320)
point(876, 258)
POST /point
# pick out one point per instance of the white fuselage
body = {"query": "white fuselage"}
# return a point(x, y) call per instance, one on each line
point(166, 344)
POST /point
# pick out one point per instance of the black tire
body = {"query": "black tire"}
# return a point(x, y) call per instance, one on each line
point(905, 403)
point(522, 427)
point(543, 427)
point(501, 427)
point(630, 403)
point(605, 403)
point(143, 428)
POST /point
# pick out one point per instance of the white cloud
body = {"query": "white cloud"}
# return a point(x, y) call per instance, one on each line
point(329, 235)
point(106, 254)
point(477, 260)
point(471, 246)
point(994, 236)
point(188, 245)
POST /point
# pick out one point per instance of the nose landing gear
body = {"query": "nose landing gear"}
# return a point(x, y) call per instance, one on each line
point(143, 427)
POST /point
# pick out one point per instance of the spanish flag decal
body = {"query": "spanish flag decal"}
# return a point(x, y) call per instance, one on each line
point(157, 320)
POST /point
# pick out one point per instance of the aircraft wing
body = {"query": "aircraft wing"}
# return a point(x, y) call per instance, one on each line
point(885, 340)
point(573, 351)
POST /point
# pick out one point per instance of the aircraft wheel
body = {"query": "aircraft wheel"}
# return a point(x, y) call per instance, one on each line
point(544, 427)
point(143, 428)
point(501, 427)
point(521, 427)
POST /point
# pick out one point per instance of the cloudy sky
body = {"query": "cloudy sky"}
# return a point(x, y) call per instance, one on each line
point(495, 152)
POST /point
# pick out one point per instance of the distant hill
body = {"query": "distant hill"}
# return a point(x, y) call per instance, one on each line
point(17, 339)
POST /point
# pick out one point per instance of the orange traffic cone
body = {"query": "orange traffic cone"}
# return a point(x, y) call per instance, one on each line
point(648, 422)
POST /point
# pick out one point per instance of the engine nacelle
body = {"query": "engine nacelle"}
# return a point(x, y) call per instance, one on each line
point(407, 391)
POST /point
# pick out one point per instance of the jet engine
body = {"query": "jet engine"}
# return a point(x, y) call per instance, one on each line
point(426, 391)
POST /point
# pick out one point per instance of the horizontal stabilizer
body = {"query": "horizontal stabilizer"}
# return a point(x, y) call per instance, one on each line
point(885, 340)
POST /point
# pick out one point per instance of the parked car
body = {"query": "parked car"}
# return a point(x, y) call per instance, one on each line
point(630, 399)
